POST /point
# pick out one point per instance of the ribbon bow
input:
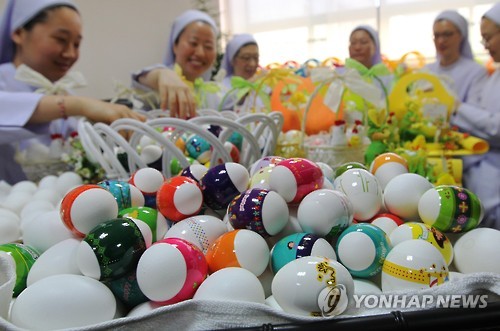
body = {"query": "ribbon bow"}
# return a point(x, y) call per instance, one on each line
point(377, 70)
point(63, 86)
point(350, 79)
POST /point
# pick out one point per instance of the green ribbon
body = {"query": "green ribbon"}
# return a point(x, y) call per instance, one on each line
point(243, 87)
point(377, 70)
point(202, 88)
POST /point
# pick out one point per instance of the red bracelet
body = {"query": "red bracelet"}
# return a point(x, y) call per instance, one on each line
point(62, 108)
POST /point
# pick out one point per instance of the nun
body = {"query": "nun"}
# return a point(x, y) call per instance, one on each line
point(39, 43)
point(454, 58)
point(241, 59)
point(481, 172)
point(192, 45)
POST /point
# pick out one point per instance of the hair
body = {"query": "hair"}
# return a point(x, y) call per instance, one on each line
point(182, 31)
point(244, 45)
point(365, 30)
point(43, 15)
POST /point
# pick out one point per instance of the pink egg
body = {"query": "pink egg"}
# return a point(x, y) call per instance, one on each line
point(222, 183)
point(179, 197)
point(259, 210)
point(294, 178)
point(86, 206)
point(171, 270)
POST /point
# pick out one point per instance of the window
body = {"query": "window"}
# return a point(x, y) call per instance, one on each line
point(299, 30)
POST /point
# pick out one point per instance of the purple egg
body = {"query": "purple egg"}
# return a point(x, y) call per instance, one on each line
point(222, 183)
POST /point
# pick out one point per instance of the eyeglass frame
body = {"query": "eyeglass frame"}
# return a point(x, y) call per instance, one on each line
point(486, 41)
point(444, 35)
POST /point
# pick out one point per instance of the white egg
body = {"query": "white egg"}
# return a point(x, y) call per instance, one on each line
point(63, 301)
point(4, 212)
point(266, 279)
point(151, 153)
point(48, 194)
point(200, 230)
point(147, 180)
point(36, 206)
point(363, 190)
point(15, 201)
point(48, 181)
point(327, 171)
point(477, 251)
point(24, 186)
point(402, 194)
point(10, 230)
point(325, 211)
point(43, 232)
point(364, 286)
point(143, 309)
point(271, 302)
point(231, 284)
point(56, 260)
point(67, 181)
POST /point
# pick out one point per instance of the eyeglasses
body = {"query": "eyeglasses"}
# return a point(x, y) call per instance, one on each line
point(486, 40)
point(444, 35)
point(248, 58)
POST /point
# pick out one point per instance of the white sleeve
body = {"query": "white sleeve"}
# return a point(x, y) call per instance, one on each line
point(478, 122)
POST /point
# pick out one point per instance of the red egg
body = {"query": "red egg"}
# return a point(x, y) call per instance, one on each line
point(171, 270)
point(294, 178)
point(87, 206)
point(178, 198)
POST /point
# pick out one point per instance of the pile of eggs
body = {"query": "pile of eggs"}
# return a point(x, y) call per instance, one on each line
point(287, 232)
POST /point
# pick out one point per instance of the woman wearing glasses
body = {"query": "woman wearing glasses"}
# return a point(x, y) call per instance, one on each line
point(481, 173)
point(454, 57)
point(241, 59)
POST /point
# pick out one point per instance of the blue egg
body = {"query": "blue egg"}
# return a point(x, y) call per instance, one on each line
point(198, 148)
point(120, 190)
point(362, 249)
point(298, 245)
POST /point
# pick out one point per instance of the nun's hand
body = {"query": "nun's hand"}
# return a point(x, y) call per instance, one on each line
point(175, 95)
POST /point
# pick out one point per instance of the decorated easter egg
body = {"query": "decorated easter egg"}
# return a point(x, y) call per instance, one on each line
point(113, 248)
point(259, 210)
point(362, 248)
point(231, 284)
point(24, 257)
point(233, 151)
point(417, 230)
point(325, 212)
point(299, 287)
point(194, 171)
point(198, 148)
point(297, 245)
point(148, 181)
point(86, 206)
point(127, 290)
point(450, 209)
point(200, 230)
point(222, 183)
point(179, 197)
point(154, 219)
point(480, 242)
point(294, 178)
point(387, 166)
point(413, 264)
point(348, 165)
point(126, 195)
point(239, 248)
point(260, 179)
point(265, 162)
point(387, 222)
point(363, 190)
point(171, 270)
point(236, 139)
point(327, 170)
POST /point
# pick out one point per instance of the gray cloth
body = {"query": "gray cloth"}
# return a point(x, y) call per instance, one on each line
point(212, 315)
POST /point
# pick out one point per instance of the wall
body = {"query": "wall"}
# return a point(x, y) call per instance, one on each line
point(121, 36)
